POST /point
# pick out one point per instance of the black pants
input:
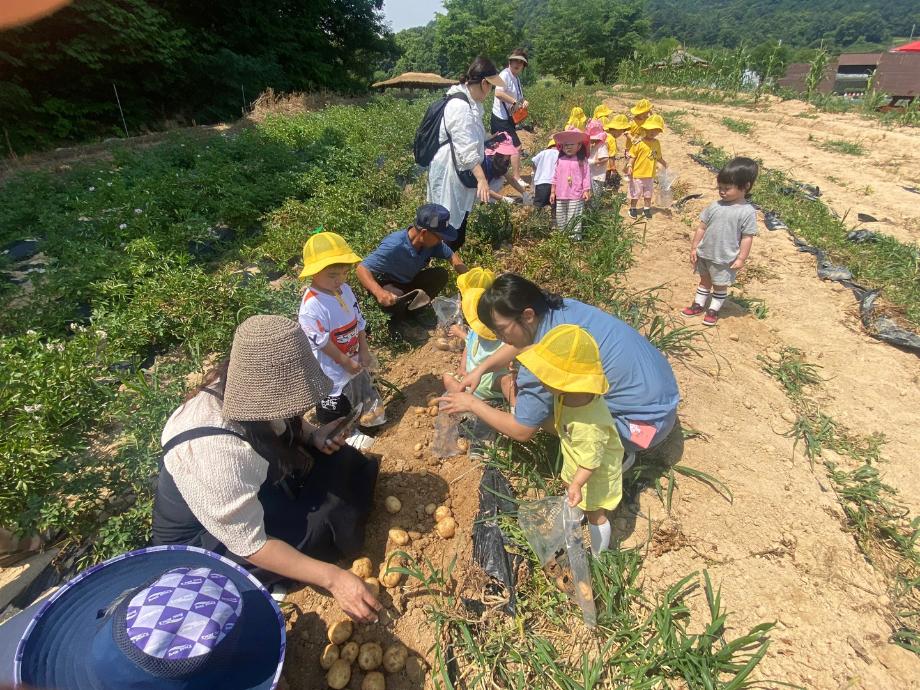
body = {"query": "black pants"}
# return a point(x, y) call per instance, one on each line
point(461, 236)
point(332, 408)
point(431, 281)
point(541, 194)
point(499, 124)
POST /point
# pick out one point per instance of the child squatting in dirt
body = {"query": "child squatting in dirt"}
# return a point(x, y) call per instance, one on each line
point(722, 242)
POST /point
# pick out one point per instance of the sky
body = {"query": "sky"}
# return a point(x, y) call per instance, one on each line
point(401, 14)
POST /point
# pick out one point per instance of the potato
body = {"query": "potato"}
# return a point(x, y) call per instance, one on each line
point(394, 658)
point(419, 446)
point(349, 652)
point(442, 344)
point(430, 508)
point(391, 579)
point(446, 528)
point(392, 504)
point(362, 567)
point(369, 419)
point(399, 537)
point(374, 681)
point(339, 674)
point(585, 590)
point(329, 656)
point(370, 656)
point(340, 631)
point(433, 411)
point(373, 584)
point(463, 445)
point(441, 512)
point(419, 409)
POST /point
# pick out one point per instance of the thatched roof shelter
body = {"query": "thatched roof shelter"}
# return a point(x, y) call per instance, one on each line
point(681, 58)
point(415, 80)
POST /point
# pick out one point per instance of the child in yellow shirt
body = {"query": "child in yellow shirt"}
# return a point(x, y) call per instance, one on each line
point(568, 363)
point(577, 119)
point(641, 111)
point(616, 127)
point(644, 158)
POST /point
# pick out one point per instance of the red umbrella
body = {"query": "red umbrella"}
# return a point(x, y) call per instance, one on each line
point(908, 48)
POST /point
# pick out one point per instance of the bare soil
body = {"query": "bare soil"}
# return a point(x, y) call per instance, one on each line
point(781, 550)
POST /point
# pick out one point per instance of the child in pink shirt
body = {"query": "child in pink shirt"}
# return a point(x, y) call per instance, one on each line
point(571, 181)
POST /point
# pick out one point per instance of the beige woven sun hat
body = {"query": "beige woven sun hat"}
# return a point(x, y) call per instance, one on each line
point(273, 373)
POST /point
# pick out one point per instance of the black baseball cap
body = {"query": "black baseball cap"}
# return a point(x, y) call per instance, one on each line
point(435, 218)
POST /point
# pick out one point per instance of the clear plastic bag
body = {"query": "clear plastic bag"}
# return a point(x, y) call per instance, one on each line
point(666, 179)
point(361, 389)
point(446, 434)
point(447, 309)
point(553, 530)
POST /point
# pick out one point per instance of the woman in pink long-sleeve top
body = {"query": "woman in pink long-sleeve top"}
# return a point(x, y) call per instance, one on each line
point(571, 182)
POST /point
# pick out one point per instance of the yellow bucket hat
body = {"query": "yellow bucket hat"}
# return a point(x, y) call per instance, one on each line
point(325, 249)
point(642, 106)
point(551, 144)
point(654, 122)
point(601, 112)
point(469, 303)
point(618, 122)
point(475, 278)
point(577, 118)
point(567, 359)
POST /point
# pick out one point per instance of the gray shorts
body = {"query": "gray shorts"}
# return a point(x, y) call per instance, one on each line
point(720, 274)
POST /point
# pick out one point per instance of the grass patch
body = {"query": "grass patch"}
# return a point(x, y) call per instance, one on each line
point(888, 265)
point(674, 121)
point(788, 366)
point(739, 126)
point(850, 148)
point(753, 305)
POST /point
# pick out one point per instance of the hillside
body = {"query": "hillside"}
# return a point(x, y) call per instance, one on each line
point(728, 23)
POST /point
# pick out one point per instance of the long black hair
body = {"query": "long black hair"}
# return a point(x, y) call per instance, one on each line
point(286, 454)
point(510, 295)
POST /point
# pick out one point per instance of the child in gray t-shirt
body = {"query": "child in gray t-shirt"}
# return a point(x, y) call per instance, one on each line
point(723, 239)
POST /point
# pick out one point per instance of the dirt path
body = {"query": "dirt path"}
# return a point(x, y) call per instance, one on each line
point(780, 549)
point(784, 140)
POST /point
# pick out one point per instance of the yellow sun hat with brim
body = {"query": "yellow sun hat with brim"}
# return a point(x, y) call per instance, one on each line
point(618, 122)
point(568, 360)
point(469, 303)
point(475, 278)
point(654, 122)
point(577, 118)
point(602, 111)
point(642, 106)
point(325, 249)
point(552, 143)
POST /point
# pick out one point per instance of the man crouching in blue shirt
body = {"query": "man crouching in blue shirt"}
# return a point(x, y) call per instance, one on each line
point(400, 264)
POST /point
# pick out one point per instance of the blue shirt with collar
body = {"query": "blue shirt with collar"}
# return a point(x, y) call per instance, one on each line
point(642, 384)
point(397, 259)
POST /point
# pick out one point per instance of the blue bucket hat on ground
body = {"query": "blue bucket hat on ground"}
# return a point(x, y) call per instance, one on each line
point(164, 618)
point(435, 218)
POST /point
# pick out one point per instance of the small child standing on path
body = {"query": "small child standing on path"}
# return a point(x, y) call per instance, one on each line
point(597, 158)
point(330, 317)
point(723, 240)
point(616, 127)
point(571, 181)
point(568, 362)
point(644, 159)
point(544, 168)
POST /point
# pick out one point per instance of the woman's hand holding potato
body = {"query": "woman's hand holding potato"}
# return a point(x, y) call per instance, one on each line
point(354, 597)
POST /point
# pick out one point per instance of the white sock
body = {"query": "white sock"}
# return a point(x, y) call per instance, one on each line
point(717, 299)
point(600, 537)
point(702, 294)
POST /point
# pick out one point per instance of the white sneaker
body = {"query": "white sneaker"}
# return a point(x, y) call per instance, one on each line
point(629, 460)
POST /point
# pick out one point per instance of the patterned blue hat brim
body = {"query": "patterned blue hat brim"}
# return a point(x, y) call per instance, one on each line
point(69, 644)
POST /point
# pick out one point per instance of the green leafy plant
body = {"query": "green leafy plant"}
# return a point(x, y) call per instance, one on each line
point(739, 126)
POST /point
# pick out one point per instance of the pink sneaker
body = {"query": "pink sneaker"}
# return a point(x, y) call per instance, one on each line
point(711, 318)
point(693, 310)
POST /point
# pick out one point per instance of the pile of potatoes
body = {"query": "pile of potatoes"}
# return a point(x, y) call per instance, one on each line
point(444, 523)
point(342, 652)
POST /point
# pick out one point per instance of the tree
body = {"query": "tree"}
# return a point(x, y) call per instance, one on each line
point(587, 40)
point(868, 26)
point(416, 52)
point(476, 27)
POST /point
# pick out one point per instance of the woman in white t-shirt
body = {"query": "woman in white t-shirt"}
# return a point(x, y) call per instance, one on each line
point(507, 101)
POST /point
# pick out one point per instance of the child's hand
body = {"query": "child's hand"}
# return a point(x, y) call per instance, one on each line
point(737, 264)
point(586, 195)
point(366, 359)
point(552, 197)
point(352, 366)
point(573, 494)
point(693, 257)
point(457, 331)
